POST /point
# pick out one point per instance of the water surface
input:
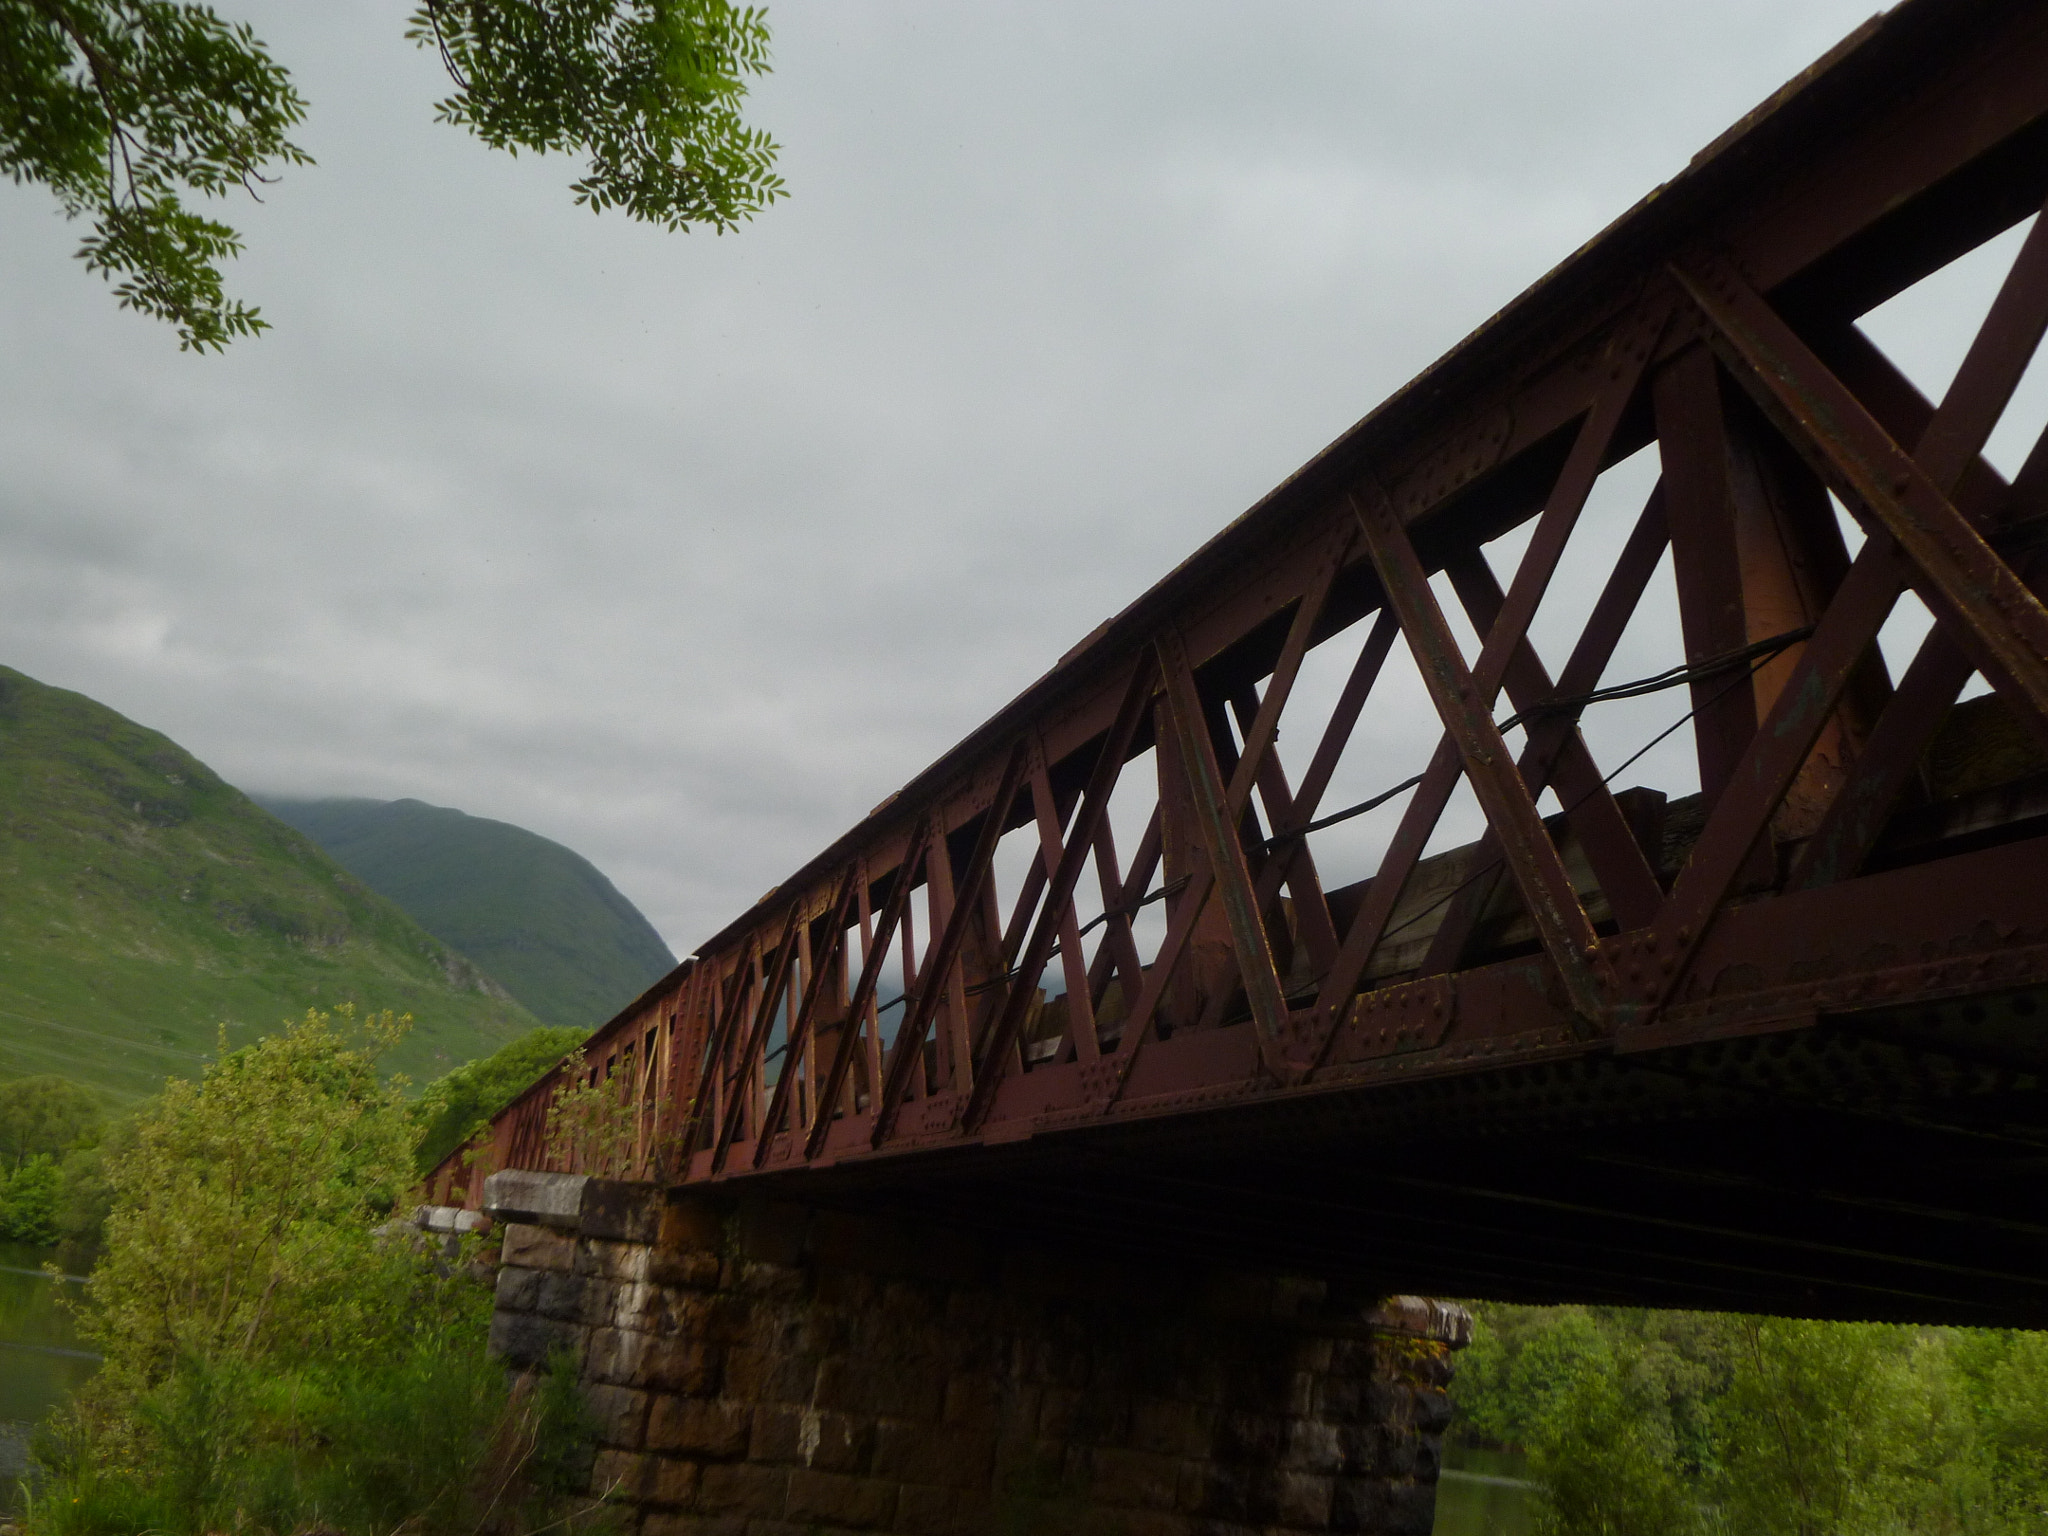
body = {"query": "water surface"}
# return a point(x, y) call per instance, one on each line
point(41, 1358)
point(1483, 1493)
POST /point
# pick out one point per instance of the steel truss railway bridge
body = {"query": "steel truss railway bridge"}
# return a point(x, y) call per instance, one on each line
point(1113, 976)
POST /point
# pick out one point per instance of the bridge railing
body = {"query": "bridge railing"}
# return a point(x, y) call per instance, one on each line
point(1121, 898)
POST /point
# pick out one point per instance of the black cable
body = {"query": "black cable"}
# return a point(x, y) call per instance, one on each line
point(1756, 655)
point(1346, 814)
point(1131, 909)
point(1127, 910)
point(1672, 677)
point(1497, 862)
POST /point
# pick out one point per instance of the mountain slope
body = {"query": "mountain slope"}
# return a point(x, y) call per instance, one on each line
point(543, 921)
point(144, 902)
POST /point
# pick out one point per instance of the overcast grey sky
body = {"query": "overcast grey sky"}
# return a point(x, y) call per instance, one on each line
point(686, 550)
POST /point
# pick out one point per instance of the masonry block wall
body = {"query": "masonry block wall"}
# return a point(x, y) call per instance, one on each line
point(766, 1369)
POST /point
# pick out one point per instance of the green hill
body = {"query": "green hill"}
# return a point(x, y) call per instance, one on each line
point(540, 919)
point(144, 902)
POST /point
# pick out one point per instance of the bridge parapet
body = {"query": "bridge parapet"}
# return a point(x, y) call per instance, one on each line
point(1199, 945)
point(763, 1368)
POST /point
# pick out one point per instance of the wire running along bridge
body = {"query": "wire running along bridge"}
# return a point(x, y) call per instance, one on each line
point(1775, 1043)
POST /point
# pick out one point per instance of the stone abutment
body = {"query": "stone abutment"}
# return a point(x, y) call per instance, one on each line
point(761, 1369)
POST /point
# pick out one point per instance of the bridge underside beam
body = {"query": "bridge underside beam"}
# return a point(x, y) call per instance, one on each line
point(1882, 1165)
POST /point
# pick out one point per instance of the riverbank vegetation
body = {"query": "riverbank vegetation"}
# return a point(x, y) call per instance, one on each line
point(459, 1103)
point(283, 1352)
point(50, 1132)
point(55, 1139)
point(280, 1353)
point(1641, 1423)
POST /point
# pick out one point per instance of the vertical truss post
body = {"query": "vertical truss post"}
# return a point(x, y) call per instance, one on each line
point(822, 967)
point(707, 1101)
point(861, 1026)
point(1955, 571)
point(743, 1109)
point(1705, 558)
point(1947, 444)
point(1209, 969)
point(1117, 955)
point(1073, 962)
point(949, 1013)
point(945, 949)
point(861, 1018)
point(998, 987)
point(1002, 1035)
point(1217, 823)
point(1532, 860)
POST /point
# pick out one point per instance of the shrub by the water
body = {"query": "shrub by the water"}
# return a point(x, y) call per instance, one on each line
point(1642, 1423)
point(30, 1198)
point(45, 1122)
point(44, 1116)
point(280, 1355)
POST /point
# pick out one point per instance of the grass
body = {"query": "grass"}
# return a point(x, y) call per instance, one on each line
point(539, 918)
point(148, 903)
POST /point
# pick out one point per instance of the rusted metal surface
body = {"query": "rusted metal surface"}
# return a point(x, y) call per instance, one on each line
point(1774, 1036)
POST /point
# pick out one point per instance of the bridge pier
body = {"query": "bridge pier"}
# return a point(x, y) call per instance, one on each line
point(763, 1369)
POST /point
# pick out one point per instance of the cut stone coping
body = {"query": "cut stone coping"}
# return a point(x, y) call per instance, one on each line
point(540, 1199)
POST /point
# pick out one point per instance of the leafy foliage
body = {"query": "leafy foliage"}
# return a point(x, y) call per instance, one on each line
point(428, 1438)
point(279, 1357)
point(455, 1105)
point(30, 1198)
point(1643, 1423)
point(47, 1124)
point(1633, 1487)
point(1838, 1426)
point(44, 1116)
point(119, 106)
point(125, 108)
point(242, 1210)
point(592, 1121)
point(649, 89)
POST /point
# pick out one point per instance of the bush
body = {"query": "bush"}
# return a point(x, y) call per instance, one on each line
point(29, 1200)
point(279, 1356)
point(1604, 1455)
point(457, 1104)
point(45, 1122)
point(44, 1116)
point(432, 1441)
point(1642, 1423)
point(243, 1206)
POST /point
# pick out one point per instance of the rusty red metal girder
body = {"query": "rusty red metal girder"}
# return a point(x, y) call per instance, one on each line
point(1823, 867)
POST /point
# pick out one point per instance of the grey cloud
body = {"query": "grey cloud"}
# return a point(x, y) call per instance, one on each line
point(687, 551)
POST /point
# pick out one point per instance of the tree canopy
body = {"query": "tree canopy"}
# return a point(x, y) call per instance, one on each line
point(456, 1105)
point(283, 1350)
point(1667, 1423)
point(126, 108)
point(42, 1117)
